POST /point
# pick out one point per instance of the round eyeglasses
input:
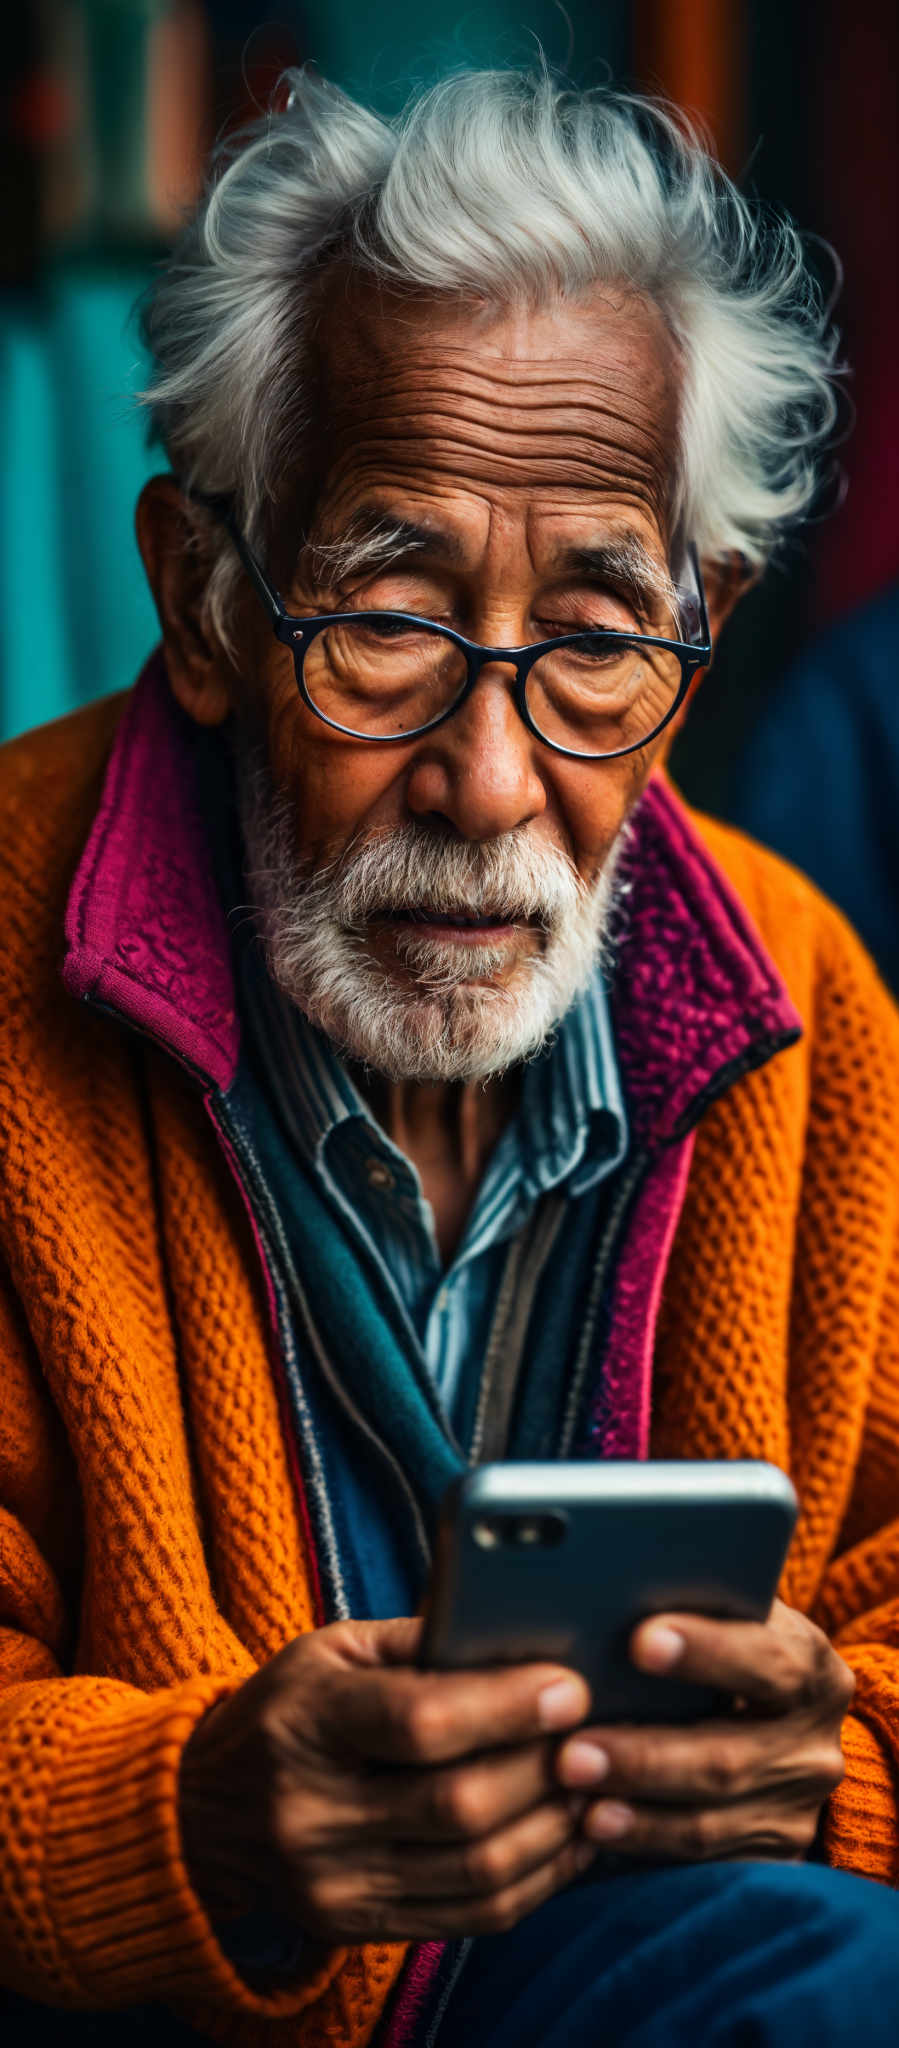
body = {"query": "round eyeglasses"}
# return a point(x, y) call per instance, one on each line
point(388, 676)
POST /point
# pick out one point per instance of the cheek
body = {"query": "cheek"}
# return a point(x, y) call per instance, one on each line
point(336, 786)
point(595, 800)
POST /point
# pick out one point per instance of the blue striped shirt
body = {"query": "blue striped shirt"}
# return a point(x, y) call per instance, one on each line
point(569, 1132)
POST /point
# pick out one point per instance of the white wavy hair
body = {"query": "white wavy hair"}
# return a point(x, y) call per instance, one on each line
point(497, 188)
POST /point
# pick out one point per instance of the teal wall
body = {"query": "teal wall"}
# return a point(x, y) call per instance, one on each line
point(377, 51)
point(76, 616)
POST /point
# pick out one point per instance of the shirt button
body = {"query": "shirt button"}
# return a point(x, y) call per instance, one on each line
point(379, 1174)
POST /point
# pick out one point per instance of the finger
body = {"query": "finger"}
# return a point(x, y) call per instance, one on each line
point(775, 1665)
point(458, 1801)
point(496, 1913)
point(709, 1762)
point(488, 1864)
point(359, 1918)
point(697, 1834)
point(713, 1763)
point(395, 1641)
point(429, 1717)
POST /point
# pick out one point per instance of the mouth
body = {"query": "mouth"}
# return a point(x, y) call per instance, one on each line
point(461, 925)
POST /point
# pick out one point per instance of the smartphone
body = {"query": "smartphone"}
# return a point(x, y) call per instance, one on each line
point(562, 1560)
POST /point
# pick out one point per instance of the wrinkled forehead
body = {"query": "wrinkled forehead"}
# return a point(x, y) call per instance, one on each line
point(579, 399)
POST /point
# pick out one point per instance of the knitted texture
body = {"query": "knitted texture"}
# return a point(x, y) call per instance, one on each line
point(676, 1021)
point(135, 1347)
point(779, 1328)
point(152, 1546)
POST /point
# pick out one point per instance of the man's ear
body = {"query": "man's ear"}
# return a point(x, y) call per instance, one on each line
point(177, 569)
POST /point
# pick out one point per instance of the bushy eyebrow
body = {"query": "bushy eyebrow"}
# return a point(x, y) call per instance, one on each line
point(373, 541)
point(623, 564)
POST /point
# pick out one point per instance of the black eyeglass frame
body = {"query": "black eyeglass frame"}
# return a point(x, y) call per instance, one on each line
point(298, 635)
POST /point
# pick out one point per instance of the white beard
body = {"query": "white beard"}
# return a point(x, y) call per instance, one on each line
point(453, 1023)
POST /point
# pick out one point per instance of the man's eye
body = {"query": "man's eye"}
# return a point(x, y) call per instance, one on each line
point(388, 629)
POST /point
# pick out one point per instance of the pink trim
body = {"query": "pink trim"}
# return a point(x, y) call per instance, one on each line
point(144, 927)
point(680, 1160)
point(621, 1421)
point(415, 1986)
point(695, 992)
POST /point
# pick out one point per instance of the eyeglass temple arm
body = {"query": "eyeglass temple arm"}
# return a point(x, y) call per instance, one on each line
point(704, 645)
point(220, 509)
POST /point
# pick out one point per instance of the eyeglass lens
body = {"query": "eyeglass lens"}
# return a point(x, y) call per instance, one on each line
point(382, 678)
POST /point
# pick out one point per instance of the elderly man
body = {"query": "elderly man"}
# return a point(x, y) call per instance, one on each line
point(425, 1084)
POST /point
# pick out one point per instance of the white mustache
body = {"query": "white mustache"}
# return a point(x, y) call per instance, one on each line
point(516, 879)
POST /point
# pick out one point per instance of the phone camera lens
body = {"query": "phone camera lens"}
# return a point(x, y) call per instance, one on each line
point(539, 1532)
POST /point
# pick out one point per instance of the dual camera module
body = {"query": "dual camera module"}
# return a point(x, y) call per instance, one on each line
point(519, 1532)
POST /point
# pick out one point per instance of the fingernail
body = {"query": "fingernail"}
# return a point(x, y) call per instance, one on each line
point(608, 1820)
point(561, 1703)
point(584, 1762)
point(661, 1647)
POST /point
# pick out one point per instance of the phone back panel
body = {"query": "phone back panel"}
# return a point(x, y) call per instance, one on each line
point(629, 1540)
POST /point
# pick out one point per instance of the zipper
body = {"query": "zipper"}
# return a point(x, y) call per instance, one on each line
point(453, 1976)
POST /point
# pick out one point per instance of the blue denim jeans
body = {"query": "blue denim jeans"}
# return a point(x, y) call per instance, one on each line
point(722, 1955)
point(751, 1955)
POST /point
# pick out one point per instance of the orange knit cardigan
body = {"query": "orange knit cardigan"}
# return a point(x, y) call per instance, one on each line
point(151, 1547)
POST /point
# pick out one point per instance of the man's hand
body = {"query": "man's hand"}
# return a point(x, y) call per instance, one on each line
point(752, 1784)
point(371, 1801)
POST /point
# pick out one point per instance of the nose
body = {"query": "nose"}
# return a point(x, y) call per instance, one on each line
point(479, 772)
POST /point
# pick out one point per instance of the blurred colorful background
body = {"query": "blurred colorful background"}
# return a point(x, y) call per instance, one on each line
point(108, 108)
